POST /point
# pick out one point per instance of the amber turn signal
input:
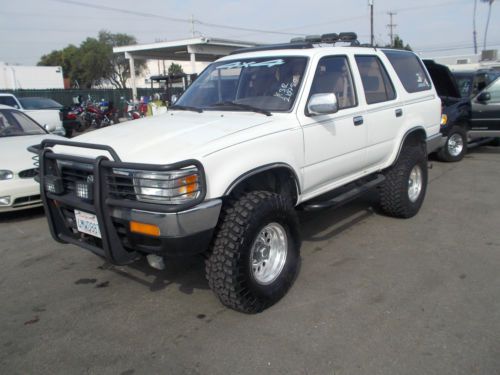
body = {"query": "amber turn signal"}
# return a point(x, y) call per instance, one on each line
point(142, 228)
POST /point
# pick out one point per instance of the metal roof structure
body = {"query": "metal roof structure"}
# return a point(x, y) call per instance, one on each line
point(203, 49)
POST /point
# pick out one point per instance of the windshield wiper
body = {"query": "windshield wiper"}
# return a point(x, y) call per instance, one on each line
point(186, 108)
point(248, 107)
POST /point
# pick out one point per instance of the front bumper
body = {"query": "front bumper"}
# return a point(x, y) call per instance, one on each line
point(22, 193)
point(183, 229)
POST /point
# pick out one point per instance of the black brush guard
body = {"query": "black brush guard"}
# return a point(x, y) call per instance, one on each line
point(110, 246)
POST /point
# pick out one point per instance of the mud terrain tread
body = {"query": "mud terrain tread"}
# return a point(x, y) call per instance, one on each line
point(225, 270)
point(393, 192)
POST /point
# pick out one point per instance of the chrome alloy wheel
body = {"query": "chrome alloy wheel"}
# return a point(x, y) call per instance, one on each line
point(415, 183)
point(268, 254)
point(455, 145)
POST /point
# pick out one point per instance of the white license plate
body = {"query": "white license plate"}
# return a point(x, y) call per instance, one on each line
point(87, 223)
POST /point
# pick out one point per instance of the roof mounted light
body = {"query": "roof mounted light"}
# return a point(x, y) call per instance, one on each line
point(329, 38)
point(313, 39)
point(348, 37)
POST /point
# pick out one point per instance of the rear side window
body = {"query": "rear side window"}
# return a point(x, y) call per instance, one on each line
point(376, 82)
point(409, 70)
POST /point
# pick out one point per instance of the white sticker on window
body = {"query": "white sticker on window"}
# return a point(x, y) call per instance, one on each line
point(252, 64)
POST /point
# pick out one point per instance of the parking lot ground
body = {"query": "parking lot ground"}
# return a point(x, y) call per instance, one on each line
point(375, 295)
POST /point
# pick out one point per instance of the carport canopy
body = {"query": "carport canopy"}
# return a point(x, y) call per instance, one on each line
point(203, 49)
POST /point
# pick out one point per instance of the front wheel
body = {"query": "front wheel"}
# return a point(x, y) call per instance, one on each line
point(403, 191)
point(455, 147)
point(255, 254)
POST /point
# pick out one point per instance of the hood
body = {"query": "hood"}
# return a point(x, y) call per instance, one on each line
point(15, 155)
point(174, 136)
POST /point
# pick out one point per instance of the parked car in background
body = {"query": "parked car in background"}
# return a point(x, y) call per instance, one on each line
point(43, 110)
point(486, 112)
point(470, 83)
point(456, 113)
point(18, 189)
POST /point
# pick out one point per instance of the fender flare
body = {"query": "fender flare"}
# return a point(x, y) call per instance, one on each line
point(264, 168)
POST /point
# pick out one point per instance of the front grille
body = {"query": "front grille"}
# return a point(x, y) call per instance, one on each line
point(28, 173)
point(120, 186)
point(22, 201)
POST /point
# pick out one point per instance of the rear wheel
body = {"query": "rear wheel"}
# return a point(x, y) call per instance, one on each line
point(403, 191)
point(455, 147)
point(255, 253)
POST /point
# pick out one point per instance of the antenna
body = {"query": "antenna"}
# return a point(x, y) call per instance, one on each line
point(370, 3)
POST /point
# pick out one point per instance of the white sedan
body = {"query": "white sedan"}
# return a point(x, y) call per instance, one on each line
point(18, 166)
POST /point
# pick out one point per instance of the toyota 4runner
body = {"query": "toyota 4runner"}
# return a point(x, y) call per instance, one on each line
point(259, 134)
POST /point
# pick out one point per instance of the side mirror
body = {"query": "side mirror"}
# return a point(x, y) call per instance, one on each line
point(322, 104)
point(49, 128)
point(484, 97)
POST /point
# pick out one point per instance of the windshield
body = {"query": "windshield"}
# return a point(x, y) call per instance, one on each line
point(15, 123)
point(39, 103)
point(267, 84)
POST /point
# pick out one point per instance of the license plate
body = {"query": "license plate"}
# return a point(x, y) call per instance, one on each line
point(87, 223)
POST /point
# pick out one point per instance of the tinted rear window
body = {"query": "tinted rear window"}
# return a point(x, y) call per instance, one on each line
point(409, 69)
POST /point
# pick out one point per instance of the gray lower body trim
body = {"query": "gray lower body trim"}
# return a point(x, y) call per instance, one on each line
point(177, 224)
point(483, 133)
point(435, 142)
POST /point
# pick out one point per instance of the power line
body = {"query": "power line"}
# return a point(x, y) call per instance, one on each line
point(173, 19)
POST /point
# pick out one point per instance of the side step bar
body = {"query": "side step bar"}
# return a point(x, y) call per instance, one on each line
point(344, 197)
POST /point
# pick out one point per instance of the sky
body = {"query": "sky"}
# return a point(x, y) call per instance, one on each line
point(31, 28)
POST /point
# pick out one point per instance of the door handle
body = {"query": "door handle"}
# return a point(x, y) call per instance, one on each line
point(358, 120)
point(399, 112)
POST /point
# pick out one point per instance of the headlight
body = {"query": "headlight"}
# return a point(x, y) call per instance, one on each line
point(6, 175)
point(173, 187)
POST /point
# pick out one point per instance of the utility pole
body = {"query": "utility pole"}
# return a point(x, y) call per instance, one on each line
point(370, 3)
point(474, 33)
point(391, 27)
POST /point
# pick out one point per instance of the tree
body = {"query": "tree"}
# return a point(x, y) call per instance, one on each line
point(175, 69)
point(119, 67)
point(93, 63)
point(67, 58)
point(399, 44)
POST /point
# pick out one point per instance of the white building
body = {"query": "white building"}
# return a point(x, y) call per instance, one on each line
point(192, 54)
point(17, 77)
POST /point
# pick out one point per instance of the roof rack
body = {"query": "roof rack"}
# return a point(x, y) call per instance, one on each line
point(308, 42)
point(268, 47)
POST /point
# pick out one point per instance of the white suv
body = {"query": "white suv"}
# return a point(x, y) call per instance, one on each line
point(258, 135)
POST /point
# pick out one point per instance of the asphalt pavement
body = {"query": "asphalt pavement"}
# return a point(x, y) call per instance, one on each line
point(375, 295)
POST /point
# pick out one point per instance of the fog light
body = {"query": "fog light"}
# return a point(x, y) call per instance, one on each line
point(84, 190)
point(53, 184)
point(5, 201)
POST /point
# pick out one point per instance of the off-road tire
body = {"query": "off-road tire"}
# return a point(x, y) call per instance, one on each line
point(394, 196)
point(228, 266)
point(444, 153)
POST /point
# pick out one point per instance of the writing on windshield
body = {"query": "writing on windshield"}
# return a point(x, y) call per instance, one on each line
point(266, 84)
